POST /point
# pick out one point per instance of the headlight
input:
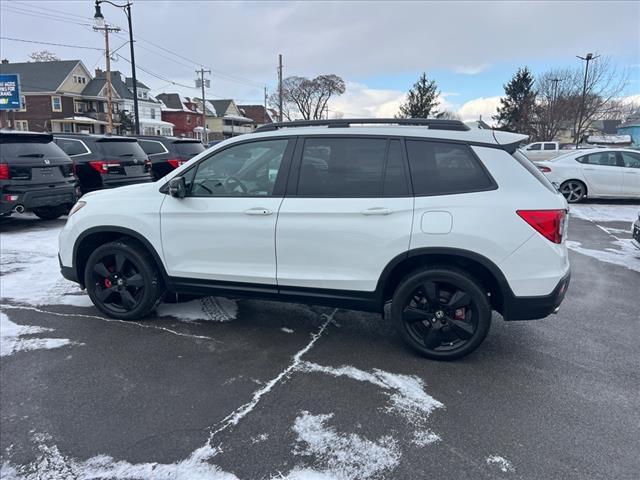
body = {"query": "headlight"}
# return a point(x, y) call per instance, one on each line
point(78, 205)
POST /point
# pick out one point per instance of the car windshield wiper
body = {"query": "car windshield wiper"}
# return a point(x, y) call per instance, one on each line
point(126, 155)
point(32, 155)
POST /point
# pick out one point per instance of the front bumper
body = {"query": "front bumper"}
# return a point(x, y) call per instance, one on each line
point(533, 308)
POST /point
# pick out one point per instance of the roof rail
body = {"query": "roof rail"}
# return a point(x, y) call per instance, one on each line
point(435, 124)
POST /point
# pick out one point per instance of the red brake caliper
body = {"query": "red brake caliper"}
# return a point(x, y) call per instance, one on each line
point(460, 313)
point(107, 283)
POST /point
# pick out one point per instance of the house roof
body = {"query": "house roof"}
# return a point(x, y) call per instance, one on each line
point(40, 76)
point(257, 113)
point(121, 87)
point(221, 106)
point(609, 127)
point(129, 83)
point(175, 102)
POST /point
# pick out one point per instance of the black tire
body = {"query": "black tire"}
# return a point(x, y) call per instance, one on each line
point(122, 280)
point(573, 190)
point(51, 213)
point(441, 312)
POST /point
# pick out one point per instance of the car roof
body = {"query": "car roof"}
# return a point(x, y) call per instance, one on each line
point(167, 137)
point(94, 136)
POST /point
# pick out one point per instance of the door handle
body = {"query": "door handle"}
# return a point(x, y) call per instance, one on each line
point(590, 169)
point(258, 211)
point(377, 211)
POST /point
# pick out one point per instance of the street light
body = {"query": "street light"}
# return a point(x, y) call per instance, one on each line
point(588, 58)
point(99, 20)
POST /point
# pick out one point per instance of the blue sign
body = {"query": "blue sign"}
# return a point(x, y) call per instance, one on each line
point(10, 92)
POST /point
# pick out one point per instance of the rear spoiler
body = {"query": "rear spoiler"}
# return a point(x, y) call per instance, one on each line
point(508, 141)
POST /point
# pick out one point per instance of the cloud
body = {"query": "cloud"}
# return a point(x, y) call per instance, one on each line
point(483, 106)
point(471, 69)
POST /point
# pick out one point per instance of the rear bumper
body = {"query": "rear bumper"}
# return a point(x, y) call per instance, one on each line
point(62, 194)
point(533, 308)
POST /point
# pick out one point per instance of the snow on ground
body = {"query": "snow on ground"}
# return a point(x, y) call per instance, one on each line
point(30, 273)
point(422, 439)
point(624, 255)
point(343, 456)
point(287, 330)
point(11, 340)
point(605, 213)
point(502, 463)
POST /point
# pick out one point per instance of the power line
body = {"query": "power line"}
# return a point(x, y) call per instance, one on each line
point(57, 12)
point(46, 16)
point(50, 43)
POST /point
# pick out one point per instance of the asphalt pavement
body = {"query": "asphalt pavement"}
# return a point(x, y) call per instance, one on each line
point(300, 392)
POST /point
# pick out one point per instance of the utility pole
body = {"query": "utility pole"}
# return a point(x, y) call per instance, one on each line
point(554, 100)
point(107, 29)
point(202, 82)
point(280, 87)
point(265, 104)
point(588, 58)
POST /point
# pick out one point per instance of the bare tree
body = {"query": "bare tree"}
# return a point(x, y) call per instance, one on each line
point(43, 56)
point(619, 109)
point(308, 98)
point(555, 91)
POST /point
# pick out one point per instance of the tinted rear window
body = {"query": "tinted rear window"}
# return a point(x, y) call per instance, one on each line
point(121, 148)
point(29, 150)
point(439, 168)
point(189, 149)
point(72, 147)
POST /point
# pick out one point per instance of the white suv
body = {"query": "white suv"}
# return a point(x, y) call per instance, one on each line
point(438, 219)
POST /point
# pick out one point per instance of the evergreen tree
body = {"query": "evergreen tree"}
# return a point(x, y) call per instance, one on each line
point(422, 100)
point(517, 109)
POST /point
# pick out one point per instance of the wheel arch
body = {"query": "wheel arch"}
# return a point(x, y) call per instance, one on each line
point(94, 237)
point(479, 266)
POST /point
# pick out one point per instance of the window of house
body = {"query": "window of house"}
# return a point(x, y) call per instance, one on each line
point(56, 104)
point(152, 113)
point(67, 128)
point(23, 103)
point(247, 170)
point(342, 167)
point(188, 119)
point(80, 79)
point(439, 168)
point(79, 107)
point(143, 94)
point(22, 125)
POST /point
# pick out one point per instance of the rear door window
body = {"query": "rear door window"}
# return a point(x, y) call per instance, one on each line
point(605, 159)
point(342, 167)
point(439, 168)
point(549, 146)
point(535, 146)
point(630, 160)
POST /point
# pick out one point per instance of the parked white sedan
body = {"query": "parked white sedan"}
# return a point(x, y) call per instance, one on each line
point(597, 173)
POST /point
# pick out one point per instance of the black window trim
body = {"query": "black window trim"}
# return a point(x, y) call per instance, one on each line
point(493, 184)
point(279, 187)
point(294, 174)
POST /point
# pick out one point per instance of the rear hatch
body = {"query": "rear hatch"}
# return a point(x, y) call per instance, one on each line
point(121, 157)
point(33, 160)
point(187, 149)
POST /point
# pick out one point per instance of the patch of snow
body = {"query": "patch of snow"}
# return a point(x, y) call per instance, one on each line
point(605, 213)
point(52, 464)
point(424, 438)
point(502, 463)
point(286, 330)
point(263, 437)
point(11, 341)
point(344, 456)
point(406, 392)
point(626, 255)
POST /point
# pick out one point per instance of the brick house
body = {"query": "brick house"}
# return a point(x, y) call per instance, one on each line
point(183, 113)
point(257, 113)
point(54, 99)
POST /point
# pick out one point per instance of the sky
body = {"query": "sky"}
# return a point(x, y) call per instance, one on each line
point(379, 48)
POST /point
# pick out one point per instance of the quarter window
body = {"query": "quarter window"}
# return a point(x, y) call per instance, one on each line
point(247, 170)
point(439, 168)
point(71, 147)
point(342, 167)
point(152, 147)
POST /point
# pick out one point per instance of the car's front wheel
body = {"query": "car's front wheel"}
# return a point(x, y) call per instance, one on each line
point(122, 280)
point(573, 190)
point(441, 312)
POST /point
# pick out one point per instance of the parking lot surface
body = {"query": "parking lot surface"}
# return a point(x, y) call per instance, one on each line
point(220, 388)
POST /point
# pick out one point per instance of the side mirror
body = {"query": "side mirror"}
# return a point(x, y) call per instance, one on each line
point(177, 187)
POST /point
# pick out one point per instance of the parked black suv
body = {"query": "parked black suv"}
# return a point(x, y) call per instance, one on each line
point(168, 153)
point(35, 174)
point(105, 161)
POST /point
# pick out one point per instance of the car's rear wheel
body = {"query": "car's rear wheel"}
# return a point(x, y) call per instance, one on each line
point(122, 280)
point(51, 213)
point(441, 312)
point(573, 190)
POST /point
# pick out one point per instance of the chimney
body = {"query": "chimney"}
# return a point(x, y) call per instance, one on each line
point(4, 61)
point(98, 73)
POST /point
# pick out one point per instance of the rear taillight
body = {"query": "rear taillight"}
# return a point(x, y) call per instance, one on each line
point(102, 166)
point(550, 223)
point(544, 169)
point(174, 162)
point(5, 174)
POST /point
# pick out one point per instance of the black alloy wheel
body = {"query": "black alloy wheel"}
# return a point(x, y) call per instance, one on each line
point(442, 313)
point(573, 190)
point(122, 280)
